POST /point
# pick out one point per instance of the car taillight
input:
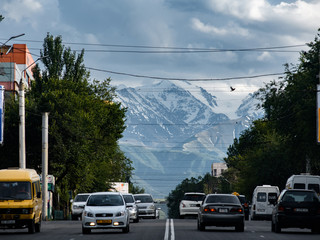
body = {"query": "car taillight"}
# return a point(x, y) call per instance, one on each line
point(183, 205)
point(208, 209)
point(246, 205)
point(236, 210)
point(280, 209)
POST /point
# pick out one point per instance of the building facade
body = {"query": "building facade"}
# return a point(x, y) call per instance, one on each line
point(218, 168)
point(15, 62)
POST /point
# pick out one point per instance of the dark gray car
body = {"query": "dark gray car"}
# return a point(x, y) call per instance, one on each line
point(221, 210)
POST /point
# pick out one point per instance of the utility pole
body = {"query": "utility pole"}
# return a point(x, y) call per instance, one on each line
point(45, 117)
point(22, 136)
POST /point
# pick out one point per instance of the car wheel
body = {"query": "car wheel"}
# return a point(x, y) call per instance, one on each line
point(126, 229)
point(272, 226)
point(38, 226)
point(86, 230)
point(277, 227)
point(201, 227)
point(31, 227)
point(240, 227)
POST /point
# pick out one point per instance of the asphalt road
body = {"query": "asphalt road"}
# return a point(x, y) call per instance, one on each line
point(159, 229)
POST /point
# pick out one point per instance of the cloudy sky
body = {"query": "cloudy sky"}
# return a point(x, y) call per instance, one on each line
point(172, 39)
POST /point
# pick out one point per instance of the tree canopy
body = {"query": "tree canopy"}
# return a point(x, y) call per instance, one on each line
point(85, 124)
point(284, 142)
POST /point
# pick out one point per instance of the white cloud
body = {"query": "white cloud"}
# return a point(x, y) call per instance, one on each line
point(264, 56)
point(230, 29)
point(243, 9)
point(29, 11)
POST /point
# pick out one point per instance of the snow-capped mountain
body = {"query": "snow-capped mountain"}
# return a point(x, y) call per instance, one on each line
point(174, 132)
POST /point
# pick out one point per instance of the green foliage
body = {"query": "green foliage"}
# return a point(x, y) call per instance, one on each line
point(279, 145)
point(84, 125)
point(135, 189)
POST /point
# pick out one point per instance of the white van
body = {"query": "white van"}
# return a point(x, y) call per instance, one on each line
point(304, 181)
point(263, 200)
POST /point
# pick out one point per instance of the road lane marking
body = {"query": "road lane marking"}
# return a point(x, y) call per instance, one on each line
point(172, 230)
point(169, 228)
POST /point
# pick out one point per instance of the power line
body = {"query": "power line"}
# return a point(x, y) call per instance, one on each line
point(185, 79)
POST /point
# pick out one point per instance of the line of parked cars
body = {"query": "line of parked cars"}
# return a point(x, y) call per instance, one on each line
point(112, 210)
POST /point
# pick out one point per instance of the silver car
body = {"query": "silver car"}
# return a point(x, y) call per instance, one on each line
point(132, 206)
point(78, 204)
point(146, 206)
point(105, 210)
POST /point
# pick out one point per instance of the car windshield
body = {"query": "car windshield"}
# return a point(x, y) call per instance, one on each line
point(300, 196)
point(242, 199)
point(222, 199)
point(105, 200)
point(128, 198)
point(81, 198)
point(15, 190)
point(193, 197)
point(144, 198)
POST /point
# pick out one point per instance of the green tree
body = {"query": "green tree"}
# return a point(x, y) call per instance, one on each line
point(85, 124)
point(284, 142)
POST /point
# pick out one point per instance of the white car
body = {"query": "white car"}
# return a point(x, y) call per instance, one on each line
point(146, 206)
point(105, 210)
point(78, 204)
point(190, 203)
point(132, 206)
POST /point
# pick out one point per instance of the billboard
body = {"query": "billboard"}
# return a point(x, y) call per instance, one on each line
point(1, 112)
point(318, 113)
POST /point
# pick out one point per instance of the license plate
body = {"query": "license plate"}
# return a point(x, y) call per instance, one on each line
point(223, 210)
point(8, 222)
point(104, 221)
point(301, 210)
point(261, 210)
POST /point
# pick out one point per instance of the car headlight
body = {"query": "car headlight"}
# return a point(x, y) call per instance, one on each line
point(152, 207)
point(87, 214)
point(75, 207)
point(26, 211)
point(119, 214)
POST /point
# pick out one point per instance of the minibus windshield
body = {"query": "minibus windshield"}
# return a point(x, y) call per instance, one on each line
point(15, 191)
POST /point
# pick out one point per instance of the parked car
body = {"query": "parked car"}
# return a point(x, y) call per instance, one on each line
point(77, 205)
point(189, 205)
point(221, 210)
point(146, 206)
point(105, 210)
point(132, 206)
point(296, 209)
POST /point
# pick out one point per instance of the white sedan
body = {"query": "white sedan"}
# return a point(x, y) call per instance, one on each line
point(105, 210)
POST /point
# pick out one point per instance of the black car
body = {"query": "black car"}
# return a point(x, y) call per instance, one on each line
point(296, 208)
point(245, 206)
point(221, 210)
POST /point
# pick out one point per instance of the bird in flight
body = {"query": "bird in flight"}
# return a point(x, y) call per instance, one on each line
point(232, 88)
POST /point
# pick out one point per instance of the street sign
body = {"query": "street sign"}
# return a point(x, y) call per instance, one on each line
point(1, 112)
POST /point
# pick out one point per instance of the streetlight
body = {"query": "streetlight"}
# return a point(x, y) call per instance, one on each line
point(16, 36)
point(13, 37)
point(22, 142)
